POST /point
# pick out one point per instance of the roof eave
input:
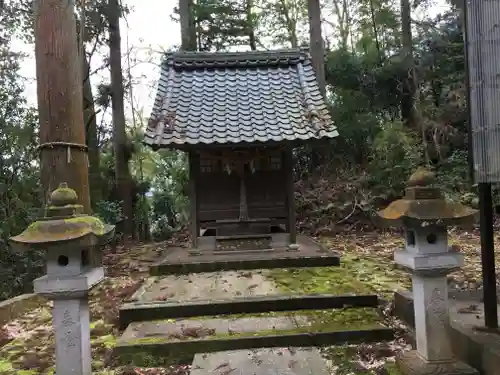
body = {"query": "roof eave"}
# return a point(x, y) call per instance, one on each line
point(198, 146)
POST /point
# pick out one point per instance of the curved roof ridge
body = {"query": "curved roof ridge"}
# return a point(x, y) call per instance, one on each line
point(222, 60)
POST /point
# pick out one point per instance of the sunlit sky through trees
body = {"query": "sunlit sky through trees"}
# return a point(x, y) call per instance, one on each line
point(146, 32)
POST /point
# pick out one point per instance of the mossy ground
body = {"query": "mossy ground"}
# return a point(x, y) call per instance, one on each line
point(31, 350)
point(366, 267)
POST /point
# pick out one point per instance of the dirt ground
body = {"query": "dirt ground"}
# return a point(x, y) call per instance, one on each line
point(27, 343)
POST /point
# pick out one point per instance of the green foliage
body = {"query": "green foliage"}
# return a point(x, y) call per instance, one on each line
point(453, 175)
point(170, 186)
point(161, 229)
point(109, 212)
point(395, 155)
point(222, 24)
point(364, 73)
point(19, 182)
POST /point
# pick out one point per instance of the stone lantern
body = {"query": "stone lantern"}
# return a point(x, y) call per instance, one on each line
point(72, 242)
point(425, 214)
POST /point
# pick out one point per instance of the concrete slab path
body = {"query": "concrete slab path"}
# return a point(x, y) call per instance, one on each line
point(275, 361)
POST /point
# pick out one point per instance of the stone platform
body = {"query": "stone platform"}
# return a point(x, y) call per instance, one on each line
point(309, 254)
point(475, 347)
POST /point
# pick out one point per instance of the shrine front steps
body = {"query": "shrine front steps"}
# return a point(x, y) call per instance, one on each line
point(149, 311)
point(180, 261)
point(225, 293)
point(167, 342)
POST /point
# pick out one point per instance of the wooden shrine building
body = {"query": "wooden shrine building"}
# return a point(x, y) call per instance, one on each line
point(238, 116)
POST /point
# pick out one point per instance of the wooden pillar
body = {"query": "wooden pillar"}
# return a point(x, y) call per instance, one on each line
point(243, 195)
point(194, 170)
point(63, 153)
point(290, 194)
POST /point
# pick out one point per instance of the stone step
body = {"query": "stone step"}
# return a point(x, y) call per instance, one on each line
point(162, 343)
point(223, 293)
point(180, 261)
point(151, 310)
point(266, 361)
point(244, 237)
point(206, 286)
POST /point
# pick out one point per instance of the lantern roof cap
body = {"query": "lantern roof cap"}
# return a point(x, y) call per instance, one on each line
point(63, 222)
point(425, 203)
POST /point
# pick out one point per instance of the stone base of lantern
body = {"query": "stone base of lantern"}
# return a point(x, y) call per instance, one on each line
point(411, 363)
point(68, 287)
point(71, 319)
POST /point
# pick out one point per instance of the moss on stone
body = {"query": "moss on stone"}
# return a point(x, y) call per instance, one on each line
point(146, 359)
point(358, 322)
point(108, 341)
point(150, 340)
point(77, 226)
point(393, 369)
point(51, 206)
point(355, 275)
point(5, 366)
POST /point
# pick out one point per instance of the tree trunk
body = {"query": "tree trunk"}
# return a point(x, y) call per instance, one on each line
point(291, 24)
point(59, 90)
point(375, 31)
point(252, 40)
point(410, 112)
point(408, 92)
point(188, 28)
point(122, 173)
point(316, 43)
point(90, 121)
point(89, 117)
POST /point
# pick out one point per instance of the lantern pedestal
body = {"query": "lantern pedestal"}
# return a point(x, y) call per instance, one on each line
point(72, 241)
point(411, 363)
point(430, 292)
point(71, 319)
point(424, 213)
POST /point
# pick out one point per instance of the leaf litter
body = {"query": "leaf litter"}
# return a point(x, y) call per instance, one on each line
point(27, 343)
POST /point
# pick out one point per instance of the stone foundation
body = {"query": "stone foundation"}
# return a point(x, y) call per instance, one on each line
point(478, 349)
point(410, 363)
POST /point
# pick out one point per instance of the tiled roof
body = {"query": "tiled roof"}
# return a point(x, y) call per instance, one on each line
point(209, 98)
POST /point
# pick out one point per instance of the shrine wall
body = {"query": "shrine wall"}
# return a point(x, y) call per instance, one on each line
point(219, 191)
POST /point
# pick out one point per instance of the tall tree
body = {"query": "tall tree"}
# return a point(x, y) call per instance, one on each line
point(89, 112)
point(91, 132)
point(222, 24)
point(250, 26)
point(123, 179)
point(59, 88)
point(317, 44)
point(188, 28)
point(408, 112)
point(281, 21)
